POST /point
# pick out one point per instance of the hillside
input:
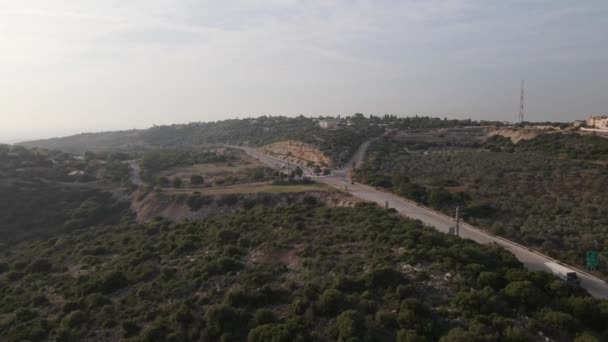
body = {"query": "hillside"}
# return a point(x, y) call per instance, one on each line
point(39, 197)
point(299, 153)
point(339, 144)
point(302, 272)
point(546, 192)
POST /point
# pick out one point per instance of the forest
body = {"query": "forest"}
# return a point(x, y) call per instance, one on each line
point(298, 273)
point(539, 192)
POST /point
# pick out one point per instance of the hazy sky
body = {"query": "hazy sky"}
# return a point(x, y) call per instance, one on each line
point(90, 65)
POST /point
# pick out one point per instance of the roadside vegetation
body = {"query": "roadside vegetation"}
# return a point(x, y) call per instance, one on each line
point(547, 193)
point(298, 273)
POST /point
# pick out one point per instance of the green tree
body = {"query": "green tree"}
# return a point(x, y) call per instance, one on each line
point(299, 172)
point(350, 326)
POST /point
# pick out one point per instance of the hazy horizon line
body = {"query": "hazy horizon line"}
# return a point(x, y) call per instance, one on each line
point(15, 138)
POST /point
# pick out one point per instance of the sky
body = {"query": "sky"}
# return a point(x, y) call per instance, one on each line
point(71, 66)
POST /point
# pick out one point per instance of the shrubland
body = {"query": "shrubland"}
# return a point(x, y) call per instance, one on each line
point(542, 192)
point(298, 273)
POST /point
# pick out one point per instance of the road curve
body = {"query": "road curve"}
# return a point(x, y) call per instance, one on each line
point(531, 259)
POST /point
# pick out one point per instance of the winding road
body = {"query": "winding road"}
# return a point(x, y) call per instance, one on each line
point(531, 259)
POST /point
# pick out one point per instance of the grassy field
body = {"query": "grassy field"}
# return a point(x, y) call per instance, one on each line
point(241, 170)
point(256, 188)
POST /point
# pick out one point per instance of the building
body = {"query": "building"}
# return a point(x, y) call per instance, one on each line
point(598, 122)
point(328, 123)
point(578, 123)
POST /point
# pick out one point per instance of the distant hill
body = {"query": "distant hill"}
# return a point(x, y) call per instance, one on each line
point(81, 143)
point(339, 143)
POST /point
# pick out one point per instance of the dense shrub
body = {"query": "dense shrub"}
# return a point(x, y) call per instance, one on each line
point(40, 266)
point(332, 302)
point(254, 274)
point(270, 332)
point(223, 318)
point(350, 326)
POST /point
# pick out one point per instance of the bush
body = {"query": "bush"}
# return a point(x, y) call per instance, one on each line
point(196, 180)
point(129, 328)
point(196, 201)
point(222, 265)
point(223, 318)
point(228, 200)
point(558, 321)
point(350, 326)
point(240, 297)
point(281, 332)
point(40, 299)
point(4, 267)
point(410, 336)
point(227, 236)
point(158, 331)
point(523, 292)
point(74, 319)
point(110, 282)
point(382, 277)
point(263, 316)
point(36, 330)
point(386, 319)
point(163, 181)
point(40, 266)
point(331, 302)
point(24, 315)
point(183, 315)
point(310, 200)
point(97, 300)
point(586, 337)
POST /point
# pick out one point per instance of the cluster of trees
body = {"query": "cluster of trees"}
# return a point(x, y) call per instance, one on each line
point(560, 145)
point(40, 209)
point(38, 198)
point(349, 274)
point(532, 192)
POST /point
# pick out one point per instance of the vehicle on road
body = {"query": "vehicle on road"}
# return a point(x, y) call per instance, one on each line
point(564, 273)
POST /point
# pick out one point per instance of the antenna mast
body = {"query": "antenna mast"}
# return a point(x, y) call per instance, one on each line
point(521, 104)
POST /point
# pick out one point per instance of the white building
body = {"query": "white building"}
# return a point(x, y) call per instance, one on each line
point(599, 122)
point(328, 123)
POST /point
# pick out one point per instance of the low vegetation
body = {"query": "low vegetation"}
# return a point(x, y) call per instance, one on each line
point(39, 197)
point(538, 192)
point(292, 273)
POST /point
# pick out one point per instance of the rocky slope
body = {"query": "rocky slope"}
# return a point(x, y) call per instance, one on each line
point(299, 153)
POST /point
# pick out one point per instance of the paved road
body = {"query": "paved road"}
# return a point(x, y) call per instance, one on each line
point(532, 260)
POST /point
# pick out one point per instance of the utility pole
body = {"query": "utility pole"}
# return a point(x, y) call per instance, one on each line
point(521, 104)
point(457, 222)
